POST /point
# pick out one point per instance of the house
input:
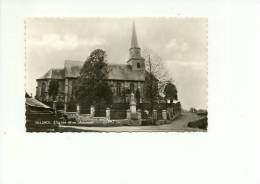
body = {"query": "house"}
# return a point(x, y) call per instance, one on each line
point(122, 78)
point(39, 117)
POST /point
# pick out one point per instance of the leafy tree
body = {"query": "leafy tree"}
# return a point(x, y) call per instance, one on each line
point(170, 92)
point(53, 88)
point(156, 76)
point(92, 88)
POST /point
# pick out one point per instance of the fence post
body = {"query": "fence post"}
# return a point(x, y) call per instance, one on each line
point(139, 114)
point(128, 114)
point(92, 111)
point(78, 109)
point(154, 115)
point(108, 113)
point(164, 114)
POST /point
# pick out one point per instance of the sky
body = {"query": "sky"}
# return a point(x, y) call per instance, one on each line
point(181, 44)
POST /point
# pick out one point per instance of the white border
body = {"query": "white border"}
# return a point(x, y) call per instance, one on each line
point(226, 154)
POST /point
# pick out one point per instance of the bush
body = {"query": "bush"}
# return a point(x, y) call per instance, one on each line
point(201, 123)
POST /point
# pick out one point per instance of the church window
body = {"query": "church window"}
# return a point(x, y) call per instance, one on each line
point(138, 65)
point(118, 88)
point(132, 87)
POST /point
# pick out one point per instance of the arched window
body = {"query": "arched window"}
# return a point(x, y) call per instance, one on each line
point(138, 65)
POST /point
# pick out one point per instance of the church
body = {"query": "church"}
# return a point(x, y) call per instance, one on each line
point(121, 77)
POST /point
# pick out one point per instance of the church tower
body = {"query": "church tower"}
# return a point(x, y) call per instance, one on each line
point(135, 58)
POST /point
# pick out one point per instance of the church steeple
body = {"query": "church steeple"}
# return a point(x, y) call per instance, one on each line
point(135, 58)
point(134, 42)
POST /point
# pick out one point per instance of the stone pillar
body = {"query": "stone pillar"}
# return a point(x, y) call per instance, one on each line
point(92, 111)
point(164, 114)
point(128, 114)
point(78, 109)
point(139, 114)
point(154, 114)
point(108, 113)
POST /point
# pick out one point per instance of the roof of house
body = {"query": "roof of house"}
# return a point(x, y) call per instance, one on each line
point(116, 72)
point(35, 103)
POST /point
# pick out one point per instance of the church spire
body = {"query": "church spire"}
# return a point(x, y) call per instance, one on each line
point(135, 58)
point(134, 43)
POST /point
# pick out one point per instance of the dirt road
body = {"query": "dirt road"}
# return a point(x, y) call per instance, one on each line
point(178, 125)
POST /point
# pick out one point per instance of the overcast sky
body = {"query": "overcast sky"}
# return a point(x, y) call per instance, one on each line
point(180, 42)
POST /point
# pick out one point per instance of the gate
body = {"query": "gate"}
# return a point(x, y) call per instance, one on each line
point(100, 110)
point(84, 109)
point(118, 110)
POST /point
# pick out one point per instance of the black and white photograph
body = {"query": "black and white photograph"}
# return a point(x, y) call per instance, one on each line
point(129, 92)
point(116, 74)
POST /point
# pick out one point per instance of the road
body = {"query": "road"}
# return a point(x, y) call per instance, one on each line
point(178, 125)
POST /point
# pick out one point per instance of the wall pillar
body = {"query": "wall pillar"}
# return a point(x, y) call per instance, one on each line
point(108, 113)
point(78, 109)
point(164, 114)
point(139, 114)
point(154, 115)
point(92, 111)
point(128, 114)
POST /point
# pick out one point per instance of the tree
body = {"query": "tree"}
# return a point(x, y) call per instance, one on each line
point(53, 89)
point(27, 95)
point(156, 76)
point(170, 92)
point(92, 88)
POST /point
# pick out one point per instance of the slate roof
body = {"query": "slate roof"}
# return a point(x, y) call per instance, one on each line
point(72, 68)
point(124, 72)
point(53, 74)
point(116, 72)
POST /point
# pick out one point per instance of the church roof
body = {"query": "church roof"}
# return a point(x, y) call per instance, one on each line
point(115, 72)
point(124, 72)
point(72, 68)
point(53, 74)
